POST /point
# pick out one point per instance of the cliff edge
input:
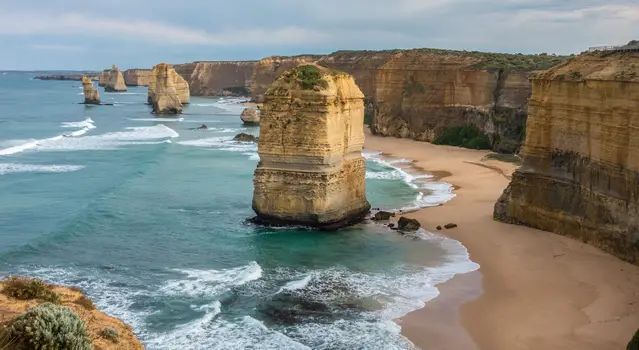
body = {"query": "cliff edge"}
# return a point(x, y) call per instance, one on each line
point(311, 171)
point(580, 172)
point(17, 295)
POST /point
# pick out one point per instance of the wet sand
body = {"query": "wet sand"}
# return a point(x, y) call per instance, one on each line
point(534, 289)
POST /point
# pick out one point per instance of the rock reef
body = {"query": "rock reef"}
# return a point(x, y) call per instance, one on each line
point(580, 172)
point(73, 76)
point(311, 171)
point(181, 86)
point(91, 95)
point(112, 80)
point(250, 116)
point(163, 94)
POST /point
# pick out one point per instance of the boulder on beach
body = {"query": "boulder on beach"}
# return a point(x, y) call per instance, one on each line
point(449, 226)
point(243, 137)
point(91, 95)
point(383, 216)
point(250, 116)
point(408, 225)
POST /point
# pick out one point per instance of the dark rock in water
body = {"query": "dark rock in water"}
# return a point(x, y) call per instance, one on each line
point(243, 137)
point(439, 227)
point(391, 225)
point(406, 224)
point(383, 216)
point(449, 226)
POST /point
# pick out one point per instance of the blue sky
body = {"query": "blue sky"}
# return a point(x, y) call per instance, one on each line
point(74, 34)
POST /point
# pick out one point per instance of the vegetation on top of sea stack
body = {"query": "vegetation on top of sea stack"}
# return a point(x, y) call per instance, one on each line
point(309, 77)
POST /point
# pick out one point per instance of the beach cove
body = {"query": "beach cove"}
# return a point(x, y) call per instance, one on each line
point(533, 290)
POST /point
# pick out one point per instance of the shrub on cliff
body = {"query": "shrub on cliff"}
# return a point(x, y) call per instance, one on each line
point(634, 342)
point(50, 327)
point(26, 289)
point(309, 77)
point(467, 136)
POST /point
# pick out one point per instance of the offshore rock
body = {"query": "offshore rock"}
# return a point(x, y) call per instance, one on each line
point(91, 95)
point(112, 80)
point(181, 86)
point(311, 171)
point(250, 116)
point(408, 225)
point(163, 95)
point(243, 137)
point(580, 172)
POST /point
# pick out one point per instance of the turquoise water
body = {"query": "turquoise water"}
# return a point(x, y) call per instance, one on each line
point(148, 217)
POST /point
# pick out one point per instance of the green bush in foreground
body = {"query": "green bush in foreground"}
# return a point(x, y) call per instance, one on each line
point(634, 343)
point(110, 334)
point(467, 136)
point(27, 289)
point(49, 327)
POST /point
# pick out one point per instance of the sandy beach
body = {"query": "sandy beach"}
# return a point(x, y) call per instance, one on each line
point(534, 289)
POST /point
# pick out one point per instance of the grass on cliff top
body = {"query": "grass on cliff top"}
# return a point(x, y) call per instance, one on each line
point(23, 288)
point(488, 60)
point(309, 77)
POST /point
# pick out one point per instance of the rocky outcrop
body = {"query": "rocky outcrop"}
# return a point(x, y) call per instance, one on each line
point(74, 77)
point(267, 70)
point(112, 80)
point(72, 298)
point(244, 137)
point(137, 77)
point(250, 116)
point(163, 94)
point(181, 86)
point(311, 171)
point(91, 95)
point(580, 172)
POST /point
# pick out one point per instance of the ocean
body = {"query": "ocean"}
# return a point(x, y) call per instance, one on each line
point(148, 217)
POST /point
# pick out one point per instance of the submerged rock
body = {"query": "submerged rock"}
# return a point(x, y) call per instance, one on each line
point(250, 116)
point(408, 225)
point(242, 137)
point(113, 80)
point(162, 93)
point(91, 95)
point(311, 171)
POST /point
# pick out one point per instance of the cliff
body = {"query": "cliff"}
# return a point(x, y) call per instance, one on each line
point(267, 70)
point(580, 172)
point(137, 77)
point(95, 320)
point(216, 78)
point(163, 94)
point(112, 80)
point(91, 95)
point(311, 171)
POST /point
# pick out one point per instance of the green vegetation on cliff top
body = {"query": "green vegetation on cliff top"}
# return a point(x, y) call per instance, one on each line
point(487, 60)
point(309, 77)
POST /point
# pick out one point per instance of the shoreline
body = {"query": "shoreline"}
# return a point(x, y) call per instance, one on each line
point(538, 290)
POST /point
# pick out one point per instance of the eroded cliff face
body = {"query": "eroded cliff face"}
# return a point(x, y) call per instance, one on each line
point(217, 78)
point(580, 172)
point(163, 94)
point(419, 95)
point(311, 171)
point(112, 80)
point(137, 77)
point(91, 95)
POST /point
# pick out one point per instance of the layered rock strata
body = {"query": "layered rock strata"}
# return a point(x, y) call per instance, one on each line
point(163, 94)
point(112, 80)
point(250, 116)
point(217, 78)
point(137, 77)
point(311, 171)
point(181, 86)
point(91, 95)
point(580, 172)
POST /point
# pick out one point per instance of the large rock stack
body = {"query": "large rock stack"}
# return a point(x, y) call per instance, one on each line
point(311, 171)
point(91, 95)
point(163, 95)
point(580, 172)
point(113, 80)
point(181, 86)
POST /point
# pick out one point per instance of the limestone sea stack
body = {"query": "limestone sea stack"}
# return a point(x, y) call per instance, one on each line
point(163, 95)
point(91, 95)
point(113, 80)
point(580, 172)
point(250, 116)
point(181, 86)
point(311, 170)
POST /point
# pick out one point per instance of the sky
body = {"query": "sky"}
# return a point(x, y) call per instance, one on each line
point(92, 35)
